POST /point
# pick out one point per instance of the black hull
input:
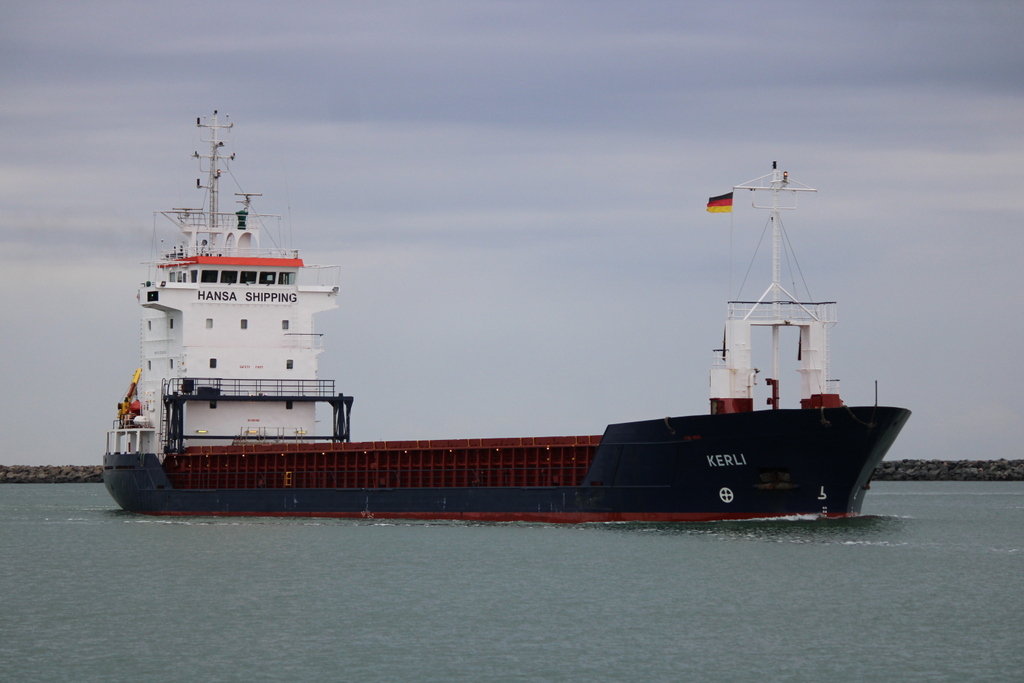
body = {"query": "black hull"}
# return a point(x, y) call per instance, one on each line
point(707, 467)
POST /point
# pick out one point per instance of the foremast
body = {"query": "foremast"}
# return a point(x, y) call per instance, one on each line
point(732, 375)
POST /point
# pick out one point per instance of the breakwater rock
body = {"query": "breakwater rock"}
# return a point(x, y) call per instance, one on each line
point(950, 470)
point(51, 474)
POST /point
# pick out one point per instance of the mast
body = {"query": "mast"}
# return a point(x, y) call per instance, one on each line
point(777, 183)
point(208, 231)
point(213, 158)
point(732, 375)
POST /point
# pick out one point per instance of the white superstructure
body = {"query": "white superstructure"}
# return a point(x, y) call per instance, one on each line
point(732, 374)
point(229, 349)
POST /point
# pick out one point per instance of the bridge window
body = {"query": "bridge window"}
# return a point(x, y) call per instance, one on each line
point(195, 274)
point(209, 276)
point(286, 279)
point(228, 277)
point(248, 277)
point(268, 278)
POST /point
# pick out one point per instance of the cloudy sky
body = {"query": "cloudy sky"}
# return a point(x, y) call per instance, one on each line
point(515, 194)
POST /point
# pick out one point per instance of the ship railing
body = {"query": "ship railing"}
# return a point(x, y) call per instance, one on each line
point(218, 386)
point(274, 435)
point(187, 251)
point(319, 276)
point(177, 392)
point(302, 340)
point(199, 220)
point(125, 439)
point(793, 312)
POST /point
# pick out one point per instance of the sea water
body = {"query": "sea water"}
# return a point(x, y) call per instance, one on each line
point(927, 586)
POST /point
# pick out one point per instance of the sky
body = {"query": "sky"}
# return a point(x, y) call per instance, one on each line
point(515, 194)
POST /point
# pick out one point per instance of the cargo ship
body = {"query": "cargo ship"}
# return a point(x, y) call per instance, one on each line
point(220, 417)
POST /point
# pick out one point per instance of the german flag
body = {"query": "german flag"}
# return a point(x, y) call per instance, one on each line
point(721, 204)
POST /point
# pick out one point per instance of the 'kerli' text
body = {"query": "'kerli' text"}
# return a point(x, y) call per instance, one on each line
point(724, 460)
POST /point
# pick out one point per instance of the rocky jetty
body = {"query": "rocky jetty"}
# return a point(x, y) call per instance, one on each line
point(950, 470)
point(51, 474)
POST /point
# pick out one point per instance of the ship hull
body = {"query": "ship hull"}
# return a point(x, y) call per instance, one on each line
point(708, 467)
